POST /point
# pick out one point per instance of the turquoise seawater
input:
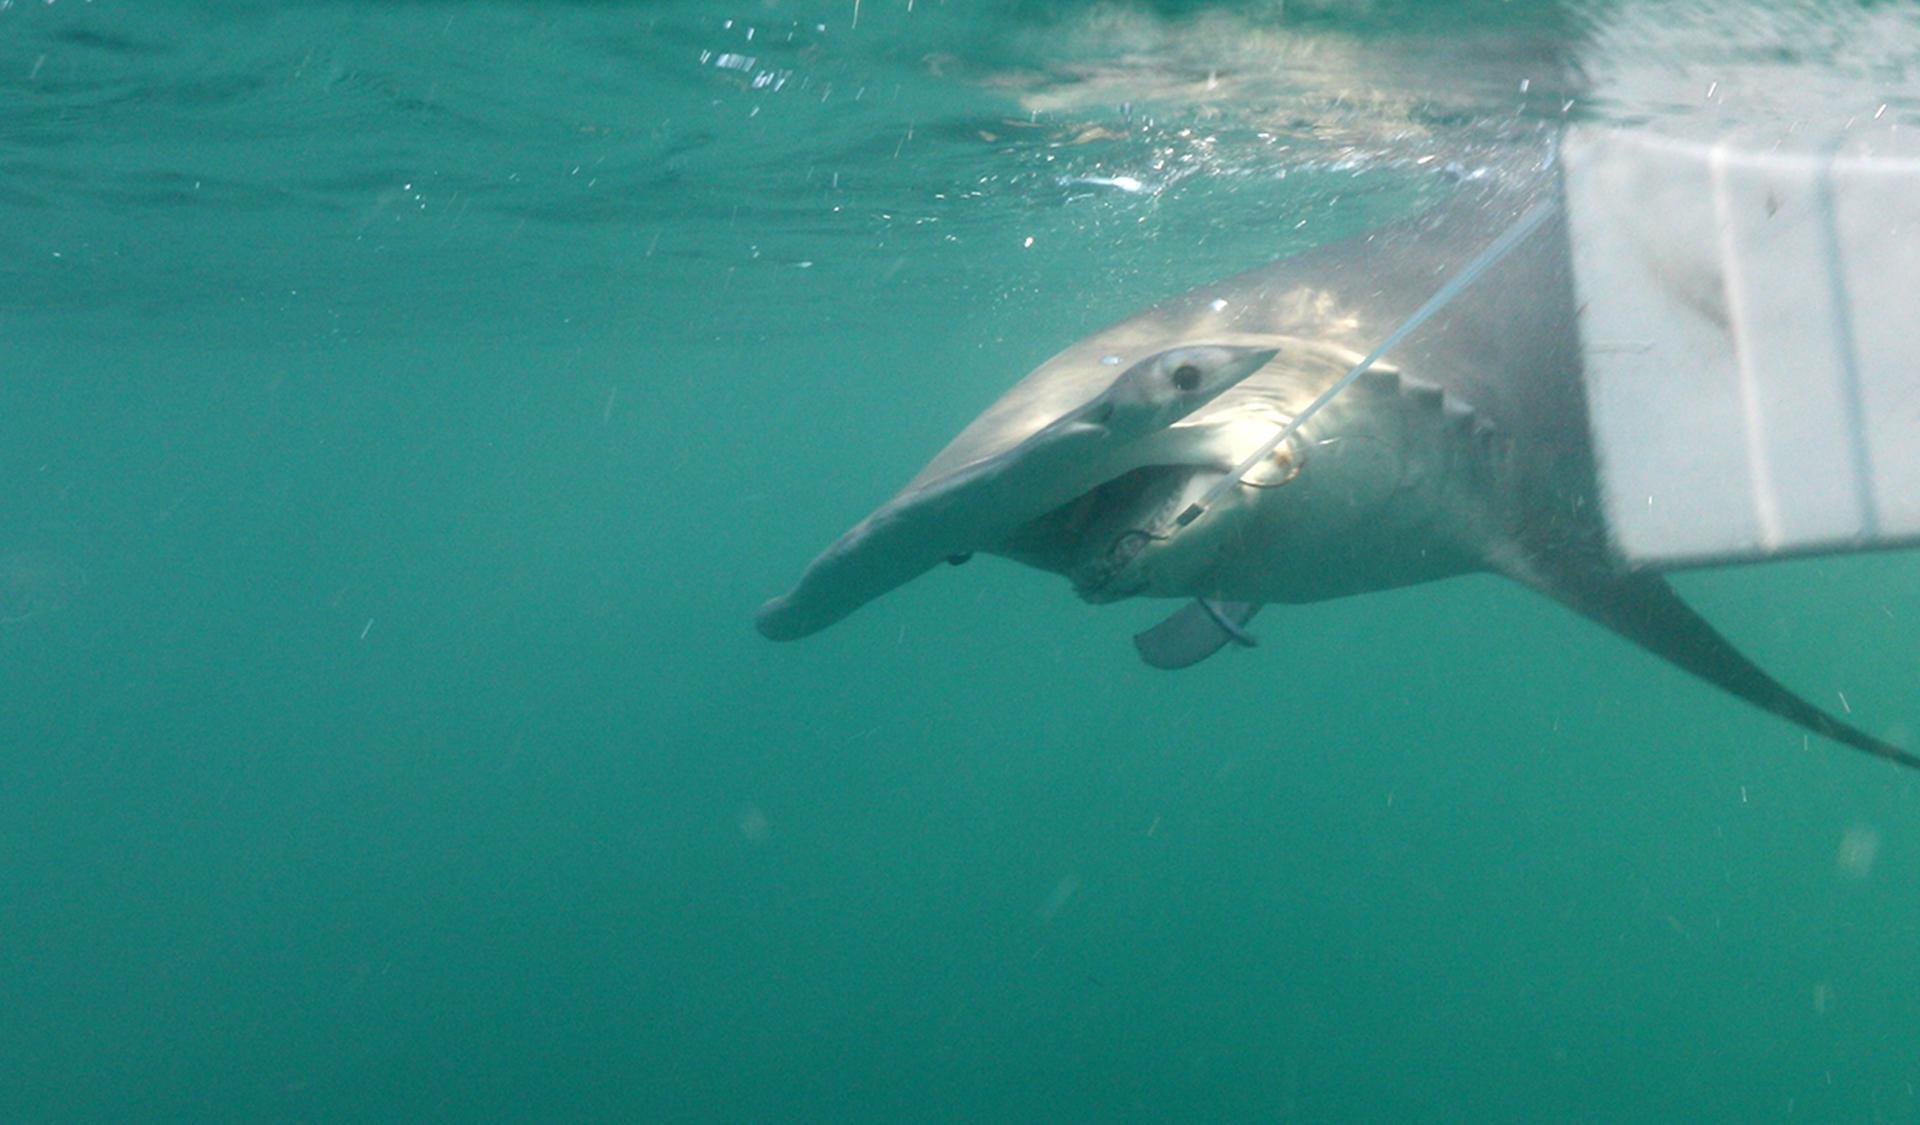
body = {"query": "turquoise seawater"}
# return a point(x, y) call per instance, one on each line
point(405, 406)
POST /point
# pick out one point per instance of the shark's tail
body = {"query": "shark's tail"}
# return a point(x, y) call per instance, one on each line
point(1647, 611)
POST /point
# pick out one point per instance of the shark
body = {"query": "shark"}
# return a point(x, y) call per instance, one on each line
point(1254, 441)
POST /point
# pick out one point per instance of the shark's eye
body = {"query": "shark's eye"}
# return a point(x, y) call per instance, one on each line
point(1186, 377)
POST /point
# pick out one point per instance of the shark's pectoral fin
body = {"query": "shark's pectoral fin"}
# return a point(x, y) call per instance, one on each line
point(1196, 631)
point(1644, 609)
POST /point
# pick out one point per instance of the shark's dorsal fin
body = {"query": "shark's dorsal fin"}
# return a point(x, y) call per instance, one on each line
point(1644, 609)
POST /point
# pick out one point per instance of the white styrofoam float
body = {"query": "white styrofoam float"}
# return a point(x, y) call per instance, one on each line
point(1751, 328)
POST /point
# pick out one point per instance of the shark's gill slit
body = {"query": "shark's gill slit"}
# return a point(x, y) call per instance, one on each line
point(1499, 248)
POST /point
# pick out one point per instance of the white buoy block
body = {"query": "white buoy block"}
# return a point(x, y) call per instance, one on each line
point(1748, 322)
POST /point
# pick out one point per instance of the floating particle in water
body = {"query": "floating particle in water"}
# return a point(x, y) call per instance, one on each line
point(753, 824)
point(1858, 848)
point(33, 585)
point(1063, 892)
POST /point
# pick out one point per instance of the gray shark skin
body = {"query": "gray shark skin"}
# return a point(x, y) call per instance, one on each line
point(1464, 450)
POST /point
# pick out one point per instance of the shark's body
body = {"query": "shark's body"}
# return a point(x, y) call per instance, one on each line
point(1465, 449)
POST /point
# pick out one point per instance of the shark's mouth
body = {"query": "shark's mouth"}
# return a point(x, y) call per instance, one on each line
point(1098, 539)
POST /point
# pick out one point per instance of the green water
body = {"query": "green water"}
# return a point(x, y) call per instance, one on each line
point(404, 407)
